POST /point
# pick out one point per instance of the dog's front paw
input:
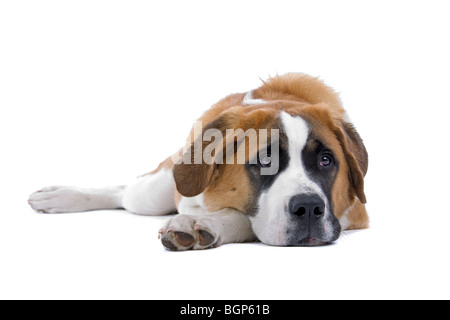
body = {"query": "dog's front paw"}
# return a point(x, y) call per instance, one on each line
point(186, 232)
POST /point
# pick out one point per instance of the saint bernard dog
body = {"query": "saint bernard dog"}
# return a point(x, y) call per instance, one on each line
point(315, 192)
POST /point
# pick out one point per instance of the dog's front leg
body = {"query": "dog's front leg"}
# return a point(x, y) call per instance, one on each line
point(203, 230)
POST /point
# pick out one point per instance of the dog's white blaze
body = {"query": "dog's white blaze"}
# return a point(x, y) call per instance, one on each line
point(250, 101)
point(271, 221)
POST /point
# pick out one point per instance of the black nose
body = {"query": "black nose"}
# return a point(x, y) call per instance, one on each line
point(307, 205)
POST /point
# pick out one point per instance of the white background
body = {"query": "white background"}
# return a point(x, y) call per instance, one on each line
point(94, 93)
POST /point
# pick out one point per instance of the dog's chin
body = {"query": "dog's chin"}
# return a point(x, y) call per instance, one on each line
point(305, 242)
point(310, 242)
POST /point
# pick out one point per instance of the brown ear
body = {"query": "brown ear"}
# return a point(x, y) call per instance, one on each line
point(356, 155)
point(194, 173)
point(192, 179)
point(356, 146)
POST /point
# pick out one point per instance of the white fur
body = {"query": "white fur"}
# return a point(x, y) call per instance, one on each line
point(151, 194)
point(193, 205)
point(59, 199)
point(271, 222)
point(346, 117)
point(250, 101)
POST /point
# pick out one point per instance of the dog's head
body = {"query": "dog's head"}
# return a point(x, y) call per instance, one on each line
point(303, 171)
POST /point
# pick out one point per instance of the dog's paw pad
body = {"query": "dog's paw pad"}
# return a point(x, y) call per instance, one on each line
point(205, 238)
point(168, 244)
point(176, 240)
point(184, 239)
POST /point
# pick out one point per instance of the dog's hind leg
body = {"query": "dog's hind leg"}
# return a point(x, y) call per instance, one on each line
point(151, 194)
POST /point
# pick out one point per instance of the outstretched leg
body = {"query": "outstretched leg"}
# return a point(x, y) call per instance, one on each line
point(60, 199)
point(151, 194)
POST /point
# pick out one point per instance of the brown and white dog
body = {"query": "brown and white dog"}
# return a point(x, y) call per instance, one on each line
point(315, 192)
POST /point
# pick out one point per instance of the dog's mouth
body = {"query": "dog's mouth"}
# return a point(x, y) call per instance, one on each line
point(311, 242)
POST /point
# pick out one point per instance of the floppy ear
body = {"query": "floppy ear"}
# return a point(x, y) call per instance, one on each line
point(197, 167)
point(356, 155)
point(192, 179)
point(356, 146)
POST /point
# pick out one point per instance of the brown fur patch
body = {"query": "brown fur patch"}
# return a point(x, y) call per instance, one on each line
point(230, 189)
point(358, 217)
point(303, 88)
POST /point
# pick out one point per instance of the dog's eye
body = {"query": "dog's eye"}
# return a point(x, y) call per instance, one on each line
point(265, 161)
point(325, 161)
